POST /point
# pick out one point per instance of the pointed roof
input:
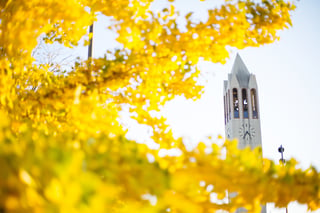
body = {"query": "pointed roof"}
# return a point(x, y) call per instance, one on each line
point(240, 70)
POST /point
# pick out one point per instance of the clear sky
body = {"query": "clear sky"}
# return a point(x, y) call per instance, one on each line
point(288, 75)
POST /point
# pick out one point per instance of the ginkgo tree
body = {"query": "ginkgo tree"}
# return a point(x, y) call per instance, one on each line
point(62, 145)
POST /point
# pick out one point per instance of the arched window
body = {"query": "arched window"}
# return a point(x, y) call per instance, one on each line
point(254, 103)
point(245, 103)
point(229, 105)
point(225, 109)
point(235, 103)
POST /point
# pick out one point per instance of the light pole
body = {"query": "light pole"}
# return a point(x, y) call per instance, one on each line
point(281, 150)
point(91, 41)
point(283, 161)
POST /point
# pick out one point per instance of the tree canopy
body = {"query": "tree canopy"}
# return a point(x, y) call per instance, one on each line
point(62, 144)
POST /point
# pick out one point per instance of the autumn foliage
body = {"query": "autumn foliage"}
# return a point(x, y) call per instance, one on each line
point(62, 143)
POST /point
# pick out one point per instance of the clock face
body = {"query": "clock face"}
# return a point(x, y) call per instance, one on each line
point(247, 132)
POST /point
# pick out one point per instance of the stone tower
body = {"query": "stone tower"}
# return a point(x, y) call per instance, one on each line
point(241, 109)
point(241, 106)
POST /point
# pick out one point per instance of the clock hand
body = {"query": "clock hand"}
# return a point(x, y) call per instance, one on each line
point(247, 132)
point(244, 135)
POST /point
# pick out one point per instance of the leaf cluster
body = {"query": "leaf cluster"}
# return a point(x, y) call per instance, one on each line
point(63, 145)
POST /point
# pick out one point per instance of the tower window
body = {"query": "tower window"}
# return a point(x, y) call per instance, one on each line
point(235, 103)
point(254, 103)
point(245, 103)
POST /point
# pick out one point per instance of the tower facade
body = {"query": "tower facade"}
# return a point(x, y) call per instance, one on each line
point(241, 106)
point(241, 109)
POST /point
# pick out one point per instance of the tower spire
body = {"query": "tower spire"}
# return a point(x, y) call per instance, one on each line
point(241, 71)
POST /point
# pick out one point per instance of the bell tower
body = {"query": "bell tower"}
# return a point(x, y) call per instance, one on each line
point(241, 109)
point(241, 106)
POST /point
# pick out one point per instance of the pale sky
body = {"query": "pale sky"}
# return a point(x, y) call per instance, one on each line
point(288, 76)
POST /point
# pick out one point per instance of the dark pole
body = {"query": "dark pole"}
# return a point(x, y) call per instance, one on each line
point(91, 40)
point(281, 150)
